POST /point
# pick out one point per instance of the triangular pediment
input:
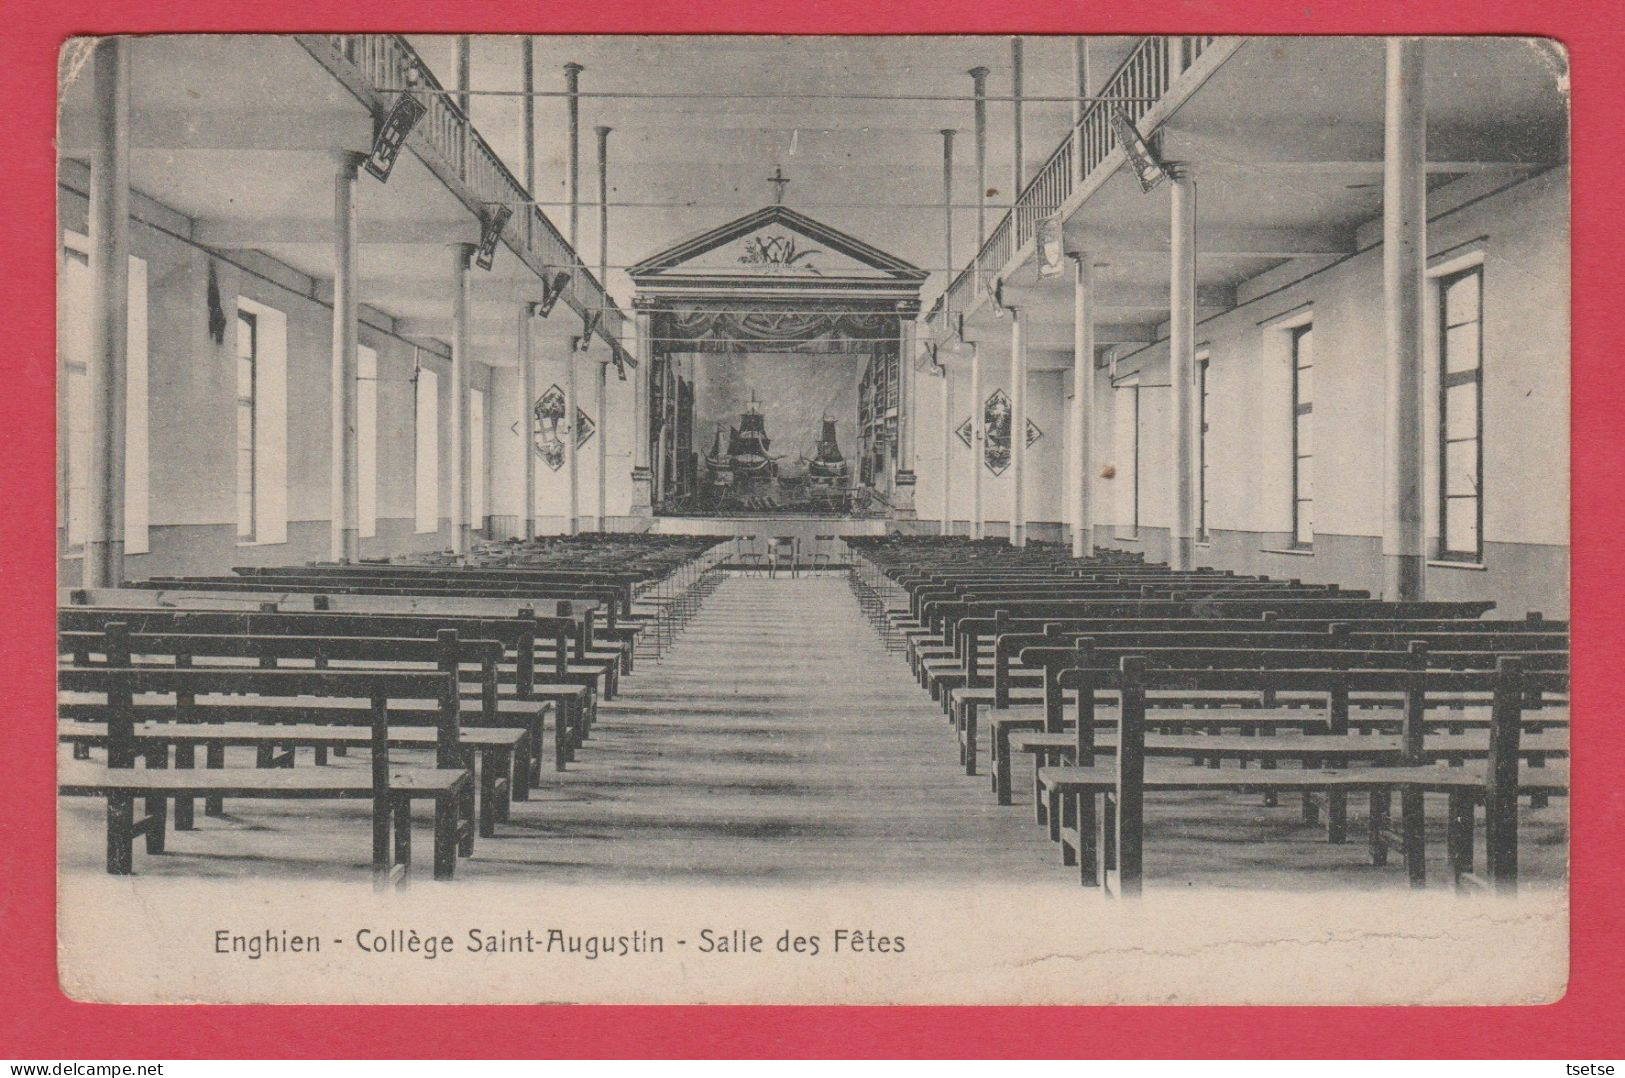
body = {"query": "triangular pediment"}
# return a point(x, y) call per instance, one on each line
point(775, 243)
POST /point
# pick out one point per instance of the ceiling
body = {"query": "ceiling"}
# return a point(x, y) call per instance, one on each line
point(241, 133)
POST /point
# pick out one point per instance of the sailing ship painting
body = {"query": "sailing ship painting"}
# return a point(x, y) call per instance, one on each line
point(747, 467)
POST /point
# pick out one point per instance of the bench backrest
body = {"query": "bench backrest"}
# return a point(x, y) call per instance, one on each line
point(445, 651)
point(120, 682)
point(517, 634)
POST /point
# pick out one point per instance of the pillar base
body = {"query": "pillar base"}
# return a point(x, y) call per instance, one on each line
point(1403, 577)
point(643, 486)
point(1180, 549)
point(902, 496)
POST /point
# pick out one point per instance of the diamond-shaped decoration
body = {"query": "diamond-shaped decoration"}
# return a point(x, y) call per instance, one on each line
point(549, 411)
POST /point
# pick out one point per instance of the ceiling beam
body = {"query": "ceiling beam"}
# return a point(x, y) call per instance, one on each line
point(1215, 243)
point(205, 128)
point(263, 232)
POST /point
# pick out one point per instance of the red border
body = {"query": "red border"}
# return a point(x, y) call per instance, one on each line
point(37, 1021)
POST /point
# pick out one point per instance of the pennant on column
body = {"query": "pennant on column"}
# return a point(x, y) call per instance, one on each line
point(217, 312)
point(552, 288)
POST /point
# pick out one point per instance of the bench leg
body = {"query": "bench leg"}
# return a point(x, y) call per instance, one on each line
point(120, 836)
point(467, 825)
point(155, 823)
point(215, 757)
point(561, 736)
point(1459, 836)
point(1381, 806)
point(969, 714)
point(1107, 840)
point(1337, 815)
point(1088, 870)
point(523, 761)
point(445, 836)
point(381, 813)
point(1069, 818)
point(487, 795)
point(402, 813)
point(1411, 824)
point(185, 760)
point(1040, 760)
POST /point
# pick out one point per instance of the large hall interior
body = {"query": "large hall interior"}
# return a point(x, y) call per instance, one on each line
point(1135, 462)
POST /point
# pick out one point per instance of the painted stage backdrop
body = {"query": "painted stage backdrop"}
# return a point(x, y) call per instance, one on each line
point(794, 393)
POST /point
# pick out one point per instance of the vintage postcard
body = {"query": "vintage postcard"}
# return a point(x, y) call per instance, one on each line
point(837, 520)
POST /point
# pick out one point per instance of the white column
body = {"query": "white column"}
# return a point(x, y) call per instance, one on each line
point(599, 397)
point(346, 485)
point(1404, 266)
point(903, 477)
point(1018, 428)
point(462, 72)
point(947, 450)
point(1018, 169)
point(572, 523)
point(1083, 404)
point(527, 416)
point(642, 478)
point(947, 377)
point(527, 71)
point(979, 90)
point(1182, 364)
point(1080, 102)
point(978, 442)
point(461, 253)
point(110, 302)
point(572, 88)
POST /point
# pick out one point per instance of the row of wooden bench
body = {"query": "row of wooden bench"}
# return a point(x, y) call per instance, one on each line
point(1224, 668)
point(474, 679)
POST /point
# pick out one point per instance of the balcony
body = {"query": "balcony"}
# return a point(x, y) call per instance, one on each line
point(377, 67)
point(1150, 81)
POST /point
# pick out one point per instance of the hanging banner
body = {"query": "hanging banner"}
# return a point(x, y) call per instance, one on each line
point(490, 234)
point(390, 136)
point(1051, 247)
point(1145, 164)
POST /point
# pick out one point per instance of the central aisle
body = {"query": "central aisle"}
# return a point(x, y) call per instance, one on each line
point(777, 741)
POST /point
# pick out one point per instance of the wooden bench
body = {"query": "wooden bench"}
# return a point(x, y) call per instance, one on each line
point(499, 735)
point(1099, 808)
point(391, 790)
point(573, 702)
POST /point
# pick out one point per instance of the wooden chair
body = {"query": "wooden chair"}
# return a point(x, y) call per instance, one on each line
point(823, 551)
point(785, 551)
point(748, 554)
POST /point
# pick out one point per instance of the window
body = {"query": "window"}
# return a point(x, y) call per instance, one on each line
point(1461, 419)
point(476, 459)
point(247, 349)
point(1201, 448)
point(366, 431)
point(1303, 430)
point(1126, 407)
point(261, 393)
point(75, 317)
point(427, 407)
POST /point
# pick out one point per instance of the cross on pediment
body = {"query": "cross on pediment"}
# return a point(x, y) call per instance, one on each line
point(779, 181)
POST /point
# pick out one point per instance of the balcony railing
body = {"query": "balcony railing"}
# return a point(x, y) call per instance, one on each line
point(388, 65)
point(1137, 86)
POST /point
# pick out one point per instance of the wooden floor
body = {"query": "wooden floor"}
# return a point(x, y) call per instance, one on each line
point(777, 742)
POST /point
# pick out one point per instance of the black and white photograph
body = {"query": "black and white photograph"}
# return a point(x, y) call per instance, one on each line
point(762, 519)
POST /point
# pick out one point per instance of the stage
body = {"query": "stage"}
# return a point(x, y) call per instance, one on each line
point(805, 527)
